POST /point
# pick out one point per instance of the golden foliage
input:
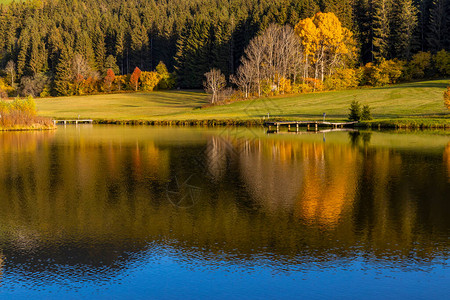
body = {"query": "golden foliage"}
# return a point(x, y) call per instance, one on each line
point(447, 98)
point(325, 42)
point(149, 80)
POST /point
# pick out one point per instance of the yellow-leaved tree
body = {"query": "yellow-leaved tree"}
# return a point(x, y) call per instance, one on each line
point(326, 44)
point(149, 80)
point(447, 97)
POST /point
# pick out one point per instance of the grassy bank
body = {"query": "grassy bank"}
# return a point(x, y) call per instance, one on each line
point(418, 104)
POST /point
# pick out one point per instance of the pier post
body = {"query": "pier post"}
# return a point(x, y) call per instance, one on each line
point(307, 126)
point(296, 127)
point(316, 127)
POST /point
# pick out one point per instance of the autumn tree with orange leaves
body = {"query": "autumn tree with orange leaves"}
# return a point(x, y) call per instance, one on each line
point(134, 78)
point(109, 79)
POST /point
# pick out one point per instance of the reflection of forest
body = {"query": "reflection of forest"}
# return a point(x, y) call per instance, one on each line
point(88, 201)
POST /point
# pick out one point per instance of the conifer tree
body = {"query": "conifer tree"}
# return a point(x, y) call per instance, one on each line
point(38, 57)
point(99, 50)
point(83, 45)
point(405, 21)
point(193, 54)
point(382, 10)
point(64, 73)
point(24, 43)
point(438, 25)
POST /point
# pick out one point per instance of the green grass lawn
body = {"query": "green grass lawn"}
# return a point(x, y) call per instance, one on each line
point(410, 101)
point(126, 106)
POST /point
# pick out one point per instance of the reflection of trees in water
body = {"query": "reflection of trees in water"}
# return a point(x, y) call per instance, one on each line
point(360, 137)
point(99, 204)
point(447, 160)
point(268, 172)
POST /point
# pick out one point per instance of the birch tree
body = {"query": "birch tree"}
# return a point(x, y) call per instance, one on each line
point(214, 84)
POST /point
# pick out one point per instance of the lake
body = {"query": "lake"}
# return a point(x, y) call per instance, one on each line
point(172, 212)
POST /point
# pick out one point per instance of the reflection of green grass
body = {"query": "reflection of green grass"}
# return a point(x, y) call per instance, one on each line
point(410, 103)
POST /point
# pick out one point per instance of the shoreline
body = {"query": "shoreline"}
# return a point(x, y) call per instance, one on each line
point(373, 124)
point(28, 128)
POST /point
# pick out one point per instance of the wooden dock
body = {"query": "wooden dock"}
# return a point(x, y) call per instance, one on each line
point(308, 124)
point(76, 121)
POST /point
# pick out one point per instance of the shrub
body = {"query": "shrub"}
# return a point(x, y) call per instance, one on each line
point(298, 88)
point(342, 79)
point(383, 73)
point(5, 88)
point(419, 65)
point(313, 84)
point(393, 69)
point(442, 62)
point(355, 111)
point(267, 88)
point(285, 86)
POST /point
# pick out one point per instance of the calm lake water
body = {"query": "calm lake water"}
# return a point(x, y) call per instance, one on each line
point(147, 212)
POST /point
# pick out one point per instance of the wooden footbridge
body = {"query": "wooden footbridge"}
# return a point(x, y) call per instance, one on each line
point(75, 121)
point(309, 125)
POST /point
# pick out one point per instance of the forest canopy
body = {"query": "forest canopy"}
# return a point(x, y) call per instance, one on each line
point(42, 41)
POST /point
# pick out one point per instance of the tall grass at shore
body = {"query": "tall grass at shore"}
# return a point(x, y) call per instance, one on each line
point(20, 114)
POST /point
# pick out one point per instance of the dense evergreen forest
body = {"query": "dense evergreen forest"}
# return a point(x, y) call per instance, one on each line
point(39, 39)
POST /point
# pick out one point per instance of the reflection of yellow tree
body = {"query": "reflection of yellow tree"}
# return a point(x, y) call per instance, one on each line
point(329, 184)
point(447, 159)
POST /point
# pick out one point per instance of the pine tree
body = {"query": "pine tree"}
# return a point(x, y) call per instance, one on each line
point(405, 21)
point(363, 19)
point(382, 10)
point(64, 73)
point(438, 23)
point(193, 54)
point(83, 45)
point(24, 44)
point(355, 111)
point(343, 9)
point(38, 56)
point(99, 50)
point(221, 47)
